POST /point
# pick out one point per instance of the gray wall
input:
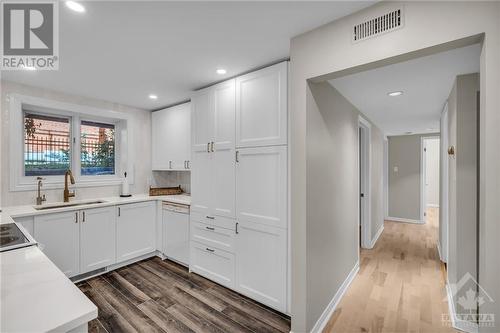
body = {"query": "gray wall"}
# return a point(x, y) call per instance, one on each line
point(333, 176)
point(462, 181)
point(329, 49)
point(404, 185)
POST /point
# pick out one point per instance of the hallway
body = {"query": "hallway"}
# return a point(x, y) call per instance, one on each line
point(400, 286)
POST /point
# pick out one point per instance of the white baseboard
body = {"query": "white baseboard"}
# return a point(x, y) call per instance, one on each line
point(433, 205)
point(330, 308)
point(439, 251)
point(461, 325)
point(375, 239)
point(400, 219)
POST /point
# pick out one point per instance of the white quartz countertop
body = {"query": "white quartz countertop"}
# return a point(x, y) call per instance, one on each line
point(29, 210)
point(37, 297)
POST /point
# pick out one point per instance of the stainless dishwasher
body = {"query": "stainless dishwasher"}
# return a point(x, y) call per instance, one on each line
point(176, 232)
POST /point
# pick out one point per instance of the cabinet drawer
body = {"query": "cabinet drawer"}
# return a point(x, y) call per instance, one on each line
point(219, 221)
point(212, 263)
point(213, 236)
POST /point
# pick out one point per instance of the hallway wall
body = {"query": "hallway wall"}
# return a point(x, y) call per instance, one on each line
point(432, 172)
point(332, 176)
point(404, 184)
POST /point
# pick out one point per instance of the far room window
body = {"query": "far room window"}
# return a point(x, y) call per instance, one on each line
point(47, 148)
point(97, 148)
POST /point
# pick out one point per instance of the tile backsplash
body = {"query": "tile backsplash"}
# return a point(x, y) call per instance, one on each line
point(172, 178)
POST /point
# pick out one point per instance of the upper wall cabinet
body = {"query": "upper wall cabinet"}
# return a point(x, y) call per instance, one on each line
point(261, 107)
point(171, 138)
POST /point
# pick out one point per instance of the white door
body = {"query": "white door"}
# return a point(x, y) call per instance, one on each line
point(176, 235)
point(202, 120)
point(58, 237)
point(224, 149)
point(180, 129)
point(261, 264)
point(202, 182)
point(97, 238)
point(261, 186)
point(160, 137)
point(261, 107)
point(135, 230)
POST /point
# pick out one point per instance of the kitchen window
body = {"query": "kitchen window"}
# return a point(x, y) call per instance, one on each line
point(49, 137)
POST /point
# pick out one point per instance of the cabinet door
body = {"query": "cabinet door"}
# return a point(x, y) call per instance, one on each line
point(202, 182)
point(202, 119)
point(160, 137)
point(97, 238)
point(224, 149)
point(212, 263)
point(261, 264)
point(135, 230)
point(261, 186)
point(261, 107)
point(58, 236)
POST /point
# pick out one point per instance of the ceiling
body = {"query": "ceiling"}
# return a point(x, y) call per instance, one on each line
point(425, 82)
point(124, 51)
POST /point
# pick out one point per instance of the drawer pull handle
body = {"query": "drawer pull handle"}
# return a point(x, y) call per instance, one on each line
point(210, 250)
point(210, 228)
point(237, 228)
point(210, 217)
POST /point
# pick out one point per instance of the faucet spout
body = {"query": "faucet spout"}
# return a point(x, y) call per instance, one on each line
point(67, 194)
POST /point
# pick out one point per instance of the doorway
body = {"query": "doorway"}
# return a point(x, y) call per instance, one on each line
point(430, 187)
point(364, 183)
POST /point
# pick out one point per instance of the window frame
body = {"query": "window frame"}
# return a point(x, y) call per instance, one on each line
point(123, 152)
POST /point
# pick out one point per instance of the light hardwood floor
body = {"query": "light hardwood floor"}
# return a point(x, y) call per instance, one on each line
point(400, 286)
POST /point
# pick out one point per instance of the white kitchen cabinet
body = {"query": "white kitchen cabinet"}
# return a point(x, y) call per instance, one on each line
point(171, 138)
point(212, 263)
point(261, 186)
point(97, 238)
point(58, 236)
point(135, 230)
point(261, 107)
point(213, 173)
point(261, 264)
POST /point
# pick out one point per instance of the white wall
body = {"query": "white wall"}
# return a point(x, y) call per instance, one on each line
point(432, 172)
point(140, 121)
point(329, 49)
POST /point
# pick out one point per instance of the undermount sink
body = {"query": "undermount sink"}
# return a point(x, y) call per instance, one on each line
point(68, 204)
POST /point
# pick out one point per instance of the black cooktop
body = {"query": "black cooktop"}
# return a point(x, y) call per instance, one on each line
point(11, 235)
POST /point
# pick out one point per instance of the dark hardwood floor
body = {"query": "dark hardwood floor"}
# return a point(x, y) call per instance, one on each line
point(162, 296)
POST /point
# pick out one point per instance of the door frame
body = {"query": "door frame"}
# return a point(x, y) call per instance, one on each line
point(443, 189)
point(364, 167)
point(423, 174)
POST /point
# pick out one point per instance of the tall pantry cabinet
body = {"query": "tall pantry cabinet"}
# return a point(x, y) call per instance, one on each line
point(239, 217)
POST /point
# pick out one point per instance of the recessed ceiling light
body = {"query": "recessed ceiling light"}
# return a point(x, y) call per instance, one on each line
point(153, 96)
point(395, 93)
point(75, 6)
point(221, 71)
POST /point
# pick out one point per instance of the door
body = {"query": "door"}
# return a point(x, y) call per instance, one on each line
point(261, 264)
point(97, 238)
point(135, 230)
point(261, 185)
point(224, 147)
point(261, 107)
point(176, 235)
point(161, 149)
point(58, 237)
point(212, 263)
point(202, 119)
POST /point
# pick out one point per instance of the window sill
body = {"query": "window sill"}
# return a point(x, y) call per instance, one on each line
point(79, 183)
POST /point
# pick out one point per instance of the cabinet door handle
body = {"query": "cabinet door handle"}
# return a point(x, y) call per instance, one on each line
point(187, 163)
point(210, 250)
point(119, 211)
point(208, 147)
point(210, 217)
point(237, 156)
point(210, 228)
point(212, 144)
point(237, 232)
point(83, 216)
point(170, 164)
point(76, 217)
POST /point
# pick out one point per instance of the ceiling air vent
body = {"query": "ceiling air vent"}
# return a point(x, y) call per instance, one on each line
point(378, 25)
